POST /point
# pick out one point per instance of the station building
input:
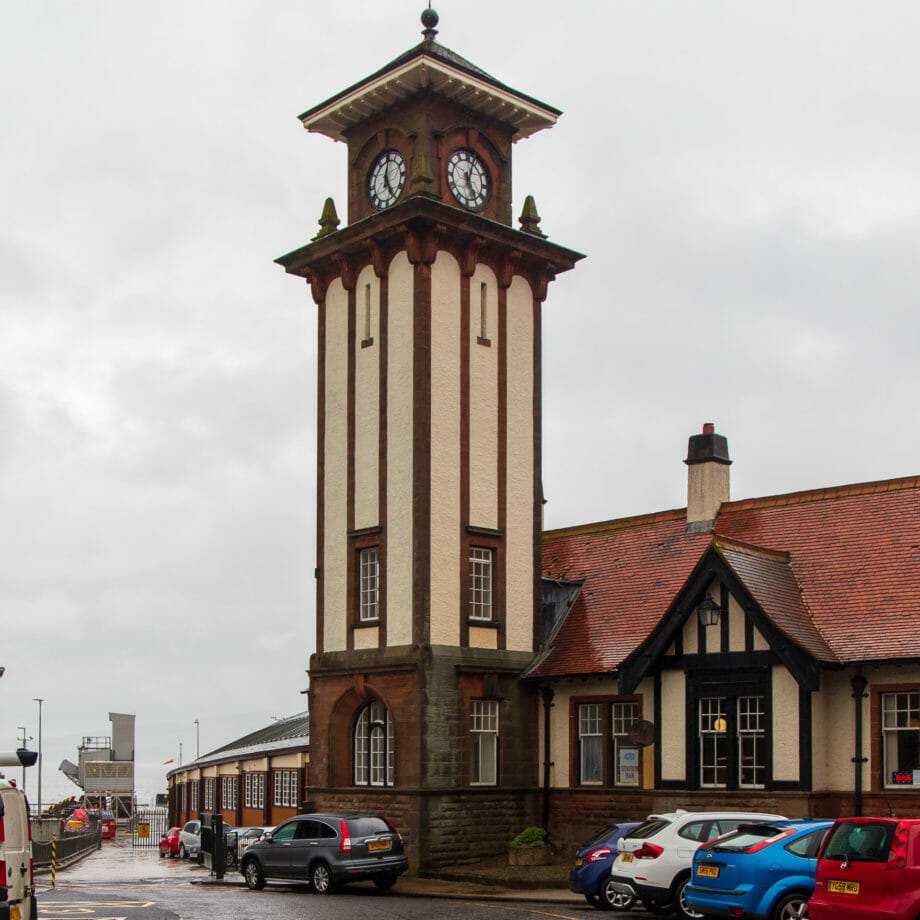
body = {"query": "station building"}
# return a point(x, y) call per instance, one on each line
point(473, 674)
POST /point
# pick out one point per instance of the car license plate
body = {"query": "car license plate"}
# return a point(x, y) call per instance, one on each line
point(379, 845)
point(709, 871)
point(14, 912)
point(841, 887)
point(578, 861)
point(627, 857)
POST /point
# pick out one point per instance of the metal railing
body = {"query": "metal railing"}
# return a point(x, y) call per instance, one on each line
point(67, 847)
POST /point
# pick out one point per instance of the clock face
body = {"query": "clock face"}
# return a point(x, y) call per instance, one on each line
point(386, 179)
point(468, 179)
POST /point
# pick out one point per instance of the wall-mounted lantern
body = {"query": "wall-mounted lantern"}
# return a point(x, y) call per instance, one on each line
point(708, 611)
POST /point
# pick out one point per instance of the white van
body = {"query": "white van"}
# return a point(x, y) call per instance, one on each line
point(17, 884)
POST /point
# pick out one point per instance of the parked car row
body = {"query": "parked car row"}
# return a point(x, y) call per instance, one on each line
point(754, 866)
point(185, 842)
point(323, 850)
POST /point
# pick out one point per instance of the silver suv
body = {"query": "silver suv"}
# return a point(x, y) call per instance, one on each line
point(327, 850)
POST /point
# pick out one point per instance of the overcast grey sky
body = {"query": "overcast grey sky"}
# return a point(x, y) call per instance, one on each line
point(742, 176)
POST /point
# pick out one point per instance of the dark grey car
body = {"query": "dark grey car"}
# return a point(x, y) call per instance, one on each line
point(327, 850)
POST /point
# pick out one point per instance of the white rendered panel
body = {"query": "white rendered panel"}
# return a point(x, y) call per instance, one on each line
point(481, 637)
point(484, 401)
point(785, 725)
point(335, 482)
point(673, 737)
point(367, 398)
point(519, 537)
point(399, 451)
point(367, 637)
point(445, 451)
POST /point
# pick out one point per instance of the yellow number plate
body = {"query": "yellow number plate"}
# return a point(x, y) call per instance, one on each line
point(627, 857)
point(379, 845)
point(14, 912)
point(841, 887)
point(579, 861)
point(710, 871)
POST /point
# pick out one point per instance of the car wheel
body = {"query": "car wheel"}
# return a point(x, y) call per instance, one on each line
point(162, 852)
point(791, 907)
point(614, 900)
point(679, 901)
point(255, 880)
point(385, 882)
point(321, 878)
point(183, 853)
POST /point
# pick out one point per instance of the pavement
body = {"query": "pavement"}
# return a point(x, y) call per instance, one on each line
point(489, 880)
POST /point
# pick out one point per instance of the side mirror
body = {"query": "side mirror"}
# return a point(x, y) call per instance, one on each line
point(267, 837)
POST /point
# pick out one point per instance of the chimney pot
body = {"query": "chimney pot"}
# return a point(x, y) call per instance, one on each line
point(709, 428)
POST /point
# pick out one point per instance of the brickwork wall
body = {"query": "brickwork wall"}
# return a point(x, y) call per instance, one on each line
point(466, 825)
point(441, 817)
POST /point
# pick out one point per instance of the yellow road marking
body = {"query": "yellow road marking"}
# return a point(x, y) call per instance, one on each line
point(520, 910)
point(61, 906)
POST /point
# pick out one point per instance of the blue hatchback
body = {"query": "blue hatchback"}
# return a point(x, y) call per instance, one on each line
point(758, 871)
point(591, 872)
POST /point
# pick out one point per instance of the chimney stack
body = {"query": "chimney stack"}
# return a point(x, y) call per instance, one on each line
point(707, 478)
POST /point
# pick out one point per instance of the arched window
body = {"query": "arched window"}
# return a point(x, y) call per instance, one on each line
point(374, 746)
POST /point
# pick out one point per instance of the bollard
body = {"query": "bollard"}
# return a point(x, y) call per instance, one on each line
point(53, 857)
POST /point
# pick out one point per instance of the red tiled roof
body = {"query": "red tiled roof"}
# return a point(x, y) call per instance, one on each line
point(769, 579)
point(837, 570)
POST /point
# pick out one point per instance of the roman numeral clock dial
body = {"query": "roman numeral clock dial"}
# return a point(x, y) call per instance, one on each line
point(468, 179)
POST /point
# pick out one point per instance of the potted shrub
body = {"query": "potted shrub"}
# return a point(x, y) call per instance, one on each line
point(529, 848)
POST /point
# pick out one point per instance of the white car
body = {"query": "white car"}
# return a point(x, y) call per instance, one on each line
point(190, 840)
point(654, 859)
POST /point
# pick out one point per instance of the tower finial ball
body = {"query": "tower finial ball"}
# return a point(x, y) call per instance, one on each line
point(429, 18)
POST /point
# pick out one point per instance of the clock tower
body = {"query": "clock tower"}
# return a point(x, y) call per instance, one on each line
point(429, 494)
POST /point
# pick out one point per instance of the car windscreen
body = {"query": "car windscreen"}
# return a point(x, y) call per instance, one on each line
point(741, 840)
point(647, 828)
point(367, 826)
point(601, 835)
point(860, 841)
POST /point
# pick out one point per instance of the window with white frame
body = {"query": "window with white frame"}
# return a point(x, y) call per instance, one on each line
point(373, 746)
point(625, 752)
point(369, 580)
point(286, 788)
point(228, 792)
point(591, 744)
point(484, 742)
point(900, 735)
point(254, 790)
point(195, 795)
point(752, 765)
point(480, 583)
point(183, 796)
point(209, 794)
point(713, 742)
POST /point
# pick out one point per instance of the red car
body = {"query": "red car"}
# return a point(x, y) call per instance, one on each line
point(169, 843)
point(107, 821)
point(868, 867)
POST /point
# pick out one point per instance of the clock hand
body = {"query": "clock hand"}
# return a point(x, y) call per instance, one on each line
point(469, 182)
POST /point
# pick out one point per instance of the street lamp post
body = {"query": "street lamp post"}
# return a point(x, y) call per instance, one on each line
point(39, 701)
point(23, 739)
point(197, 739)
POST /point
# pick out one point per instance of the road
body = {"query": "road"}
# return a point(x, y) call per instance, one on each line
point(118, 883)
